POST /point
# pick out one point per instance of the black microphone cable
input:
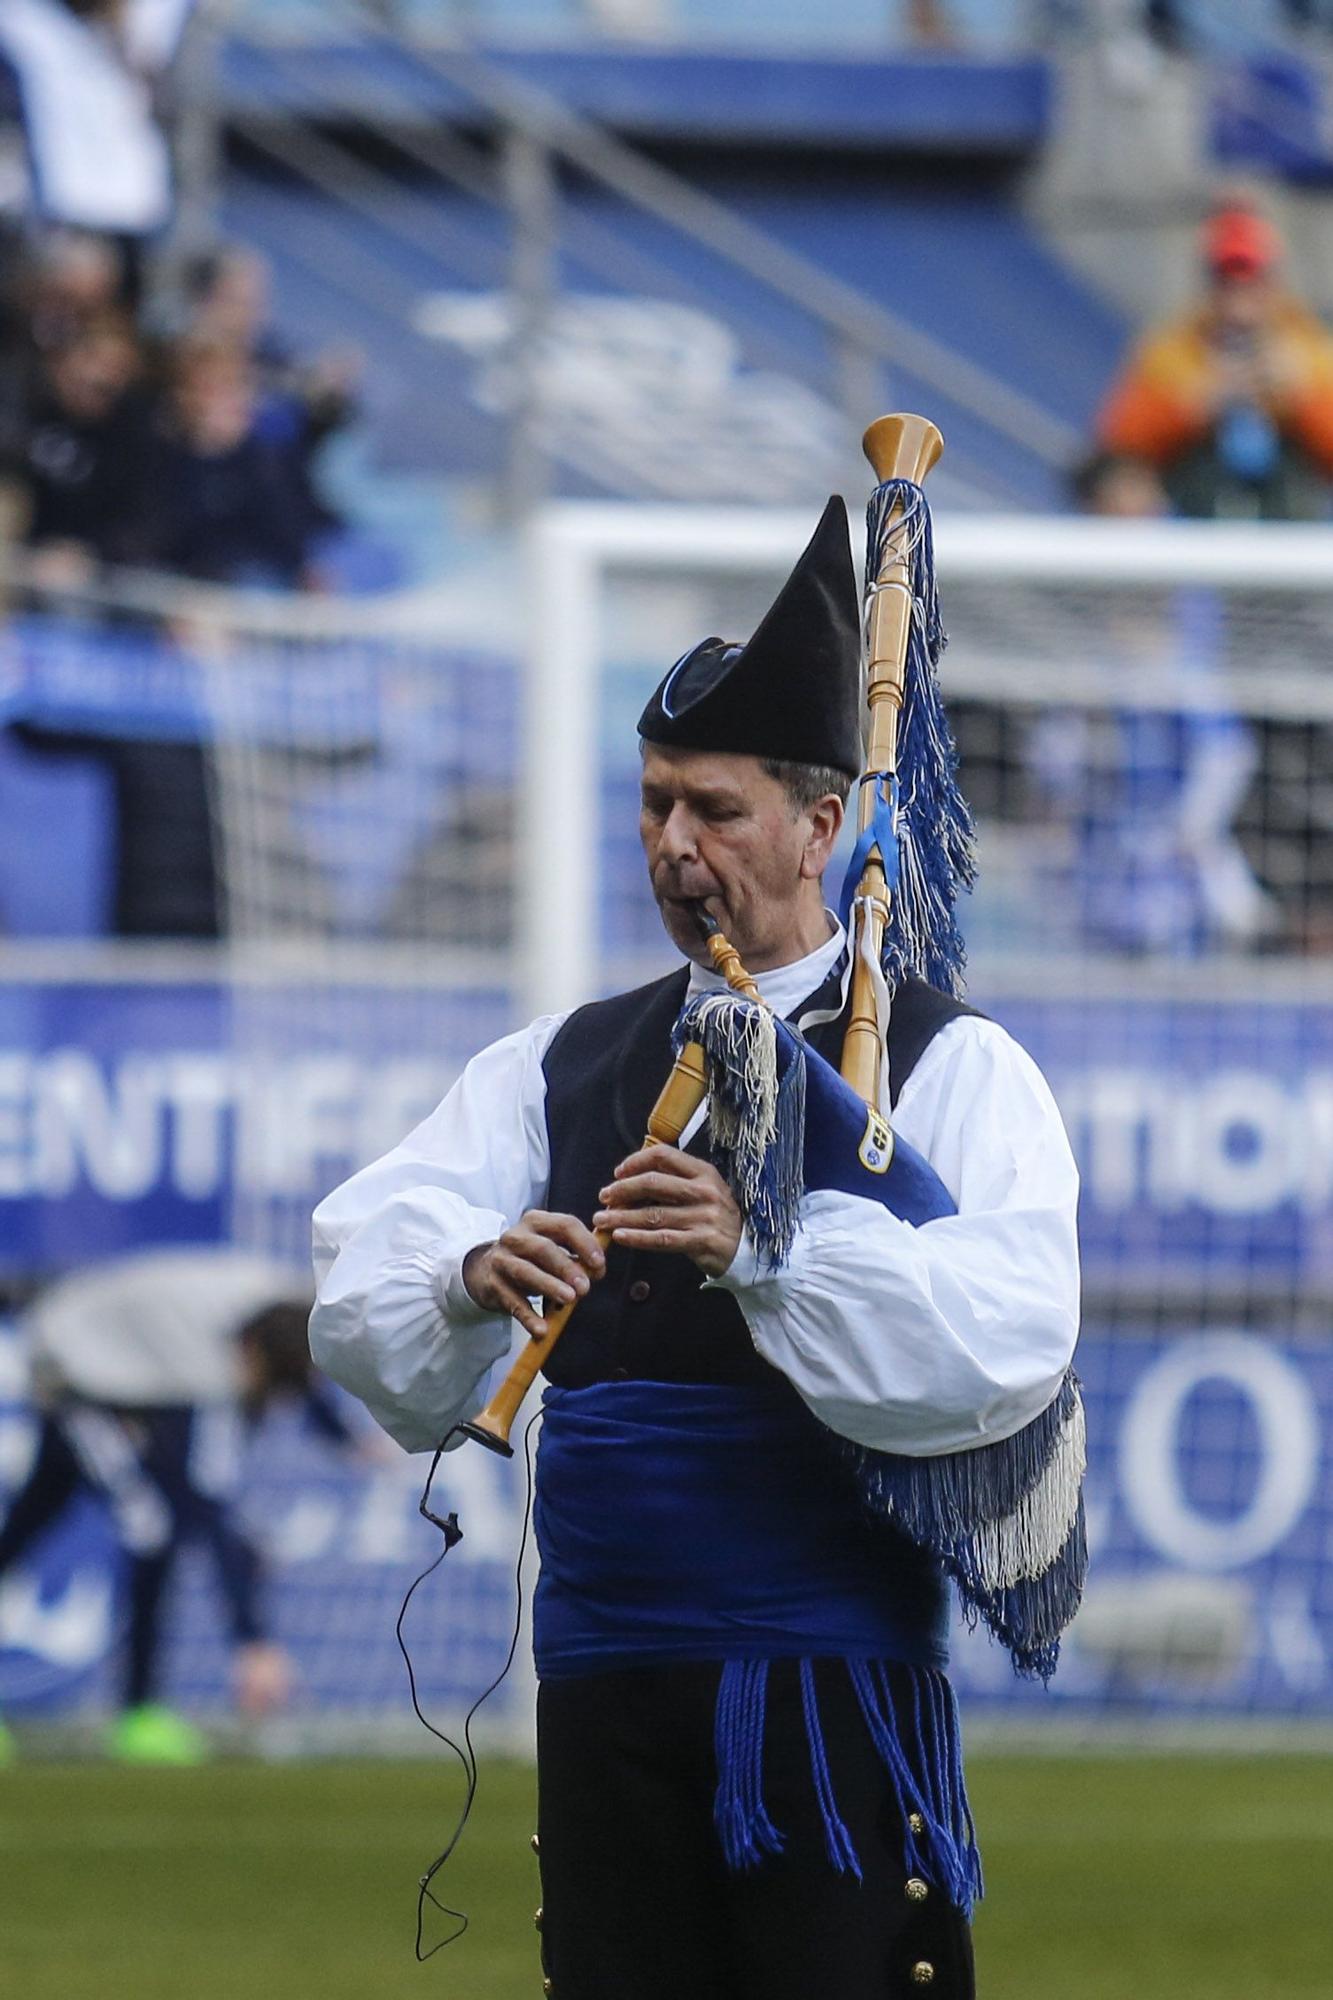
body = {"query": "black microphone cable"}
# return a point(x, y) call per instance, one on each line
point(464, 1751)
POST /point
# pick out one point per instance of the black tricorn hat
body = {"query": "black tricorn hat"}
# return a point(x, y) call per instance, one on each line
point(793, 691)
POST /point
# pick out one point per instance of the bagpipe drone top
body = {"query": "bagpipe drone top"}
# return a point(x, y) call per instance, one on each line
point(1004, 1519)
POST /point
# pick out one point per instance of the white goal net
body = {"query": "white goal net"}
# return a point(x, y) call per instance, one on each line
point(426, 832)
point(1145, 724)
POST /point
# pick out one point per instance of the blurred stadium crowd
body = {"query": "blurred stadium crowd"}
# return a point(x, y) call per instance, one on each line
point(158, 415)
point(184, 448)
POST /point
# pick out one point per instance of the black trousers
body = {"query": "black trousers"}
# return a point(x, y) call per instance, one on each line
point(637, 1900)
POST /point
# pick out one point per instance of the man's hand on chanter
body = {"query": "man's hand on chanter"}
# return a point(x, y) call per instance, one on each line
point(663, 1199)
point(551, 1257)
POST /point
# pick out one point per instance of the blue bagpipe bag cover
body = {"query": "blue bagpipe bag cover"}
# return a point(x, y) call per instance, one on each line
point(1006, 1519)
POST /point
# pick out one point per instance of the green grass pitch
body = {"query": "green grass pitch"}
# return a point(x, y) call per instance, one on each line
point(1110, 1878)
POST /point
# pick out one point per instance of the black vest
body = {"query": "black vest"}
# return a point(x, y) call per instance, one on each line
point(651, 1317)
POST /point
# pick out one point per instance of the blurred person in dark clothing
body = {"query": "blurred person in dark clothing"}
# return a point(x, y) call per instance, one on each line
point(83, 463)
point(76, 277)
point(302, 402)
point(212, 501)
point(88, 492)
point(52, 292)
point(233, 306)
point(228, 501)
point(149, 1371)
point(164, 872)
point(1232, 403)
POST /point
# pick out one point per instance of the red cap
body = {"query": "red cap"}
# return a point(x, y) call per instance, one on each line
point(1238, 243)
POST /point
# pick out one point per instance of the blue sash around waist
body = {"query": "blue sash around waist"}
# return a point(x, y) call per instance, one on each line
point(693, 1522)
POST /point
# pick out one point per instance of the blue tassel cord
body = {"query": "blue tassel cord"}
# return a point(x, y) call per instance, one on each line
point(746, 1831)
point(880, 831)
point(940, 1841)
point(837, 1841)
point(926, 1773)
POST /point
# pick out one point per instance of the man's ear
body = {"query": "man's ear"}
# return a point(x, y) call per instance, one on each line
point(826, 817)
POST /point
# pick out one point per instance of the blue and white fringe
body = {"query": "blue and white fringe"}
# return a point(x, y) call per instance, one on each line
point(1006, 1520)
point(756, 1113)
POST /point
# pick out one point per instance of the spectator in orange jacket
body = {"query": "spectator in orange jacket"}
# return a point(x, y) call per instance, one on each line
point(1233, 402)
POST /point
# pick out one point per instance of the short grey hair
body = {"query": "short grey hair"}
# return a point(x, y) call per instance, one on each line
point(806, 784)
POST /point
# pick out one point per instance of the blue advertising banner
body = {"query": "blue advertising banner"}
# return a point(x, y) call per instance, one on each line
point(1203, 1129)
point(127, 1117)
point(1204, 1136)
point(1211, 1515)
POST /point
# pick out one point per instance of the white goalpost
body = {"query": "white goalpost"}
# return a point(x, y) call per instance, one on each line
point(1038, 598)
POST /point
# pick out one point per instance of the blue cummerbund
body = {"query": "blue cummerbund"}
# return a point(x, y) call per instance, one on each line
point(684, 1522)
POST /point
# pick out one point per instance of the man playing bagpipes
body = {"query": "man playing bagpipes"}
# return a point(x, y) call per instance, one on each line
point(819, 1361)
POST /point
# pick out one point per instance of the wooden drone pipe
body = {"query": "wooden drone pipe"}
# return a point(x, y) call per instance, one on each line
point(680, 1097)
point(898, 447)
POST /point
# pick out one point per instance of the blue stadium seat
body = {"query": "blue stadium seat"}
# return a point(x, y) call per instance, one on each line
point(1023, 314)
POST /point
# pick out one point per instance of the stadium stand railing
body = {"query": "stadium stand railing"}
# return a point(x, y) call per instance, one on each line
point(396, 219)
point(845, 25)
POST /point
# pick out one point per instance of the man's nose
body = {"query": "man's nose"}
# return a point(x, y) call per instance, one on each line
point(678, 842)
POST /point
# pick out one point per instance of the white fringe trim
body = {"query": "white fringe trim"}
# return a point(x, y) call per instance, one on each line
point(753, 1053)
point(1023, 1545)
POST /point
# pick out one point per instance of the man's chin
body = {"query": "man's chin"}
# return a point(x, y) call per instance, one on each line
point(680, 920)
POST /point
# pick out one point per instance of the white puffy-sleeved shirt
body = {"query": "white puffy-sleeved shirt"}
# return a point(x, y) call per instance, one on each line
point(914, 1340)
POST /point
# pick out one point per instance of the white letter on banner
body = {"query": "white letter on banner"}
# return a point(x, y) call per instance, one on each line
point(1112, 1110)
point(1150, 1479)
point(1171, 1147)
point(111, 1126)
point(15, 1124)
point(258, 1107)
point(1262, 1177)
point(319, 1106)
point(1316, 1149)
point(198, 1092)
